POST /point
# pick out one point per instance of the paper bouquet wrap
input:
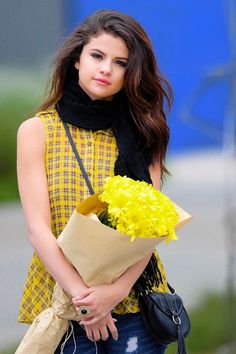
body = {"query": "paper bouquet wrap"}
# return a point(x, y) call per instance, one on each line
point(101, 255)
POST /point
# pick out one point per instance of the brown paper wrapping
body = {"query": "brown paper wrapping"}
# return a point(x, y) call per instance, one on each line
point(100, 253)
point(48, 328)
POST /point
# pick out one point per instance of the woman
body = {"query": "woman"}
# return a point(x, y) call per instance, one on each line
point(108, 90)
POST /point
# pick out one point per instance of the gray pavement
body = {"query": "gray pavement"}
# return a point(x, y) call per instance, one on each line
point(195, 264)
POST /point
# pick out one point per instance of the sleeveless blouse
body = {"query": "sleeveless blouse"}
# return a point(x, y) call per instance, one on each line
point(66, 188)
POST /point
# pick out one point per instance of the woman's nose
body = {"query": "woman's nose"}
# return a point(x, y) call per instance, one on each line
point(106, 68)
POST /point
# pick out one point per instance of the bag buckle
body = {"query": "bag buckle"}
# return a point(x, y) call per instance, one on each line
point(176, 319)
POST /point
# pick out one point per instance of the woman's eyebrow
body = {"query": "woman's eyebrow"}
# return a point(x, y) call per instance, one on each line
point(101, 52)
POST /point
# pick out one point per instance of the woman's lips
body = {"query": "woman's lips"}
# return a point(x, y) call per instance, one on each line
point(102, 81)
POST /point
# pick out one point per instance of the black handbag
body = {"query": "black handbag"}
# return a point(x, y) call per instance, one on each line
point(165, 317)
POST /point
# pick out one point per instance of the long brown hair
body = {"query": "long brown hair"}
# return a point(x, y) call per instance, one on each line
point(145, 87)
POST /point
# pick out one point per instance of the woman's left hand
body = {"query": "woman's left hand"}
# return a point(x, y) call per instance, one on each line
point(100, 300)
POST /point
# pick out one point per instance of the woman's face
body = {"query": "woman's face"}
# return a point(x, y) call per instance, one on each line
point(102, 66)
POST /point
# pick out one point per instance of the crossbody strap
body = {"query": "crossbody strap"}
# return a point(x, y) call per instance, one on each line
point(172, 290)
point(78, 158)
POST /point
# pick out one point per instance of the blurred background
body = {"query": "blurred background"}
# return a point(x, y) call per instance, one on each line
point(195, 44)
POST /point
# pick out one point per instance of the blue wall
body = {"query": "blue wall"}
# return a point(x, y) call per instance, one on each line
point(190, 39)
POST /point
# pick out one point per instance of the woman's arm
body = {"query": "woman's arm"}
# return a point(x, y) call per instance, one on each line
point(33, 190)
point(32, 181)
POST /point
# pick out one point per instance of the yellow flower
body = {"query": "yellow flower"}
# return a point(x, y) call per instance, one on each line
point(137, 209)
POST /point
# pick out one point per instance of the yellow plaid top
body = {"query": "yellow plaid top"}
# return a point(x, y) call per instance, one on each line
point(66, 188)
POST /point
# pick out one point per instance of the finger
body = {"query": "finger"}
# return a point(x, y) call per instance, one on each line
point(83, 294)
point(89, 333)
point(104, 333)
point(90, 321)
point(112, 329)
point(86, 301)
point(96, 334)
point(84, 319)
point(86, 308)
point(81, 302)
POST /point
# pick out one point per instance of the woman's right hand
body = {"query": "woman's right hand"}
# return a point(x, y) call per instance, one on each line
point(102, 329)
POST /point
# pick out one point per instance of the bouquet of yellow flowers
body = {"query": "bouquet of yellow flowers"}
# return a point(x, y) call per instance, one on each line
point(131, 218)
point(125, 211)
point(137, 209)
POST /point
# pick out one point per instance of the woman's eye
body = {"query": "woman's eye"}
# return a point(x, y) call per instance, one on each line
point(96, 56)
point(121, 63)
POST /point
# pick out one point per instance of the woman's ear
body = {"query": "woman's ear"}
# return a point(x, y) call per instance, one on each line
point(76, 65)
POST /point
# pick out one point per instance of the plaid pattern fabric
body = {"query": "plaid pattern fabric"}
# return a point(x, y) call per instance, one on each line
point(66, 188)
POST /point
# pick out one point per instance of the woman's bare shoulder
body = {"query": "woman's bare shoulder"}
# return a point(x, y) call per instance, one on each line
point(31, 128)
point(31, 136)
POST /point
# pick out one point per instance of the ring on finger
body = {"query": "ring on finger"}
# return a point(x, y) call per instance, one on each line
point(84, 310)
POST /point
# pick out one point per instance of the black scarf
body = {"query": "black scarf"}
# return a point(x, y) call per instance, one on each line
point(76, 108)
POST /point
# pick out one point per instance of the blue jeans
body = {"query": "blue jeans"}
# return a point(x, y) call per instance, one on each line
point(133, 339)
